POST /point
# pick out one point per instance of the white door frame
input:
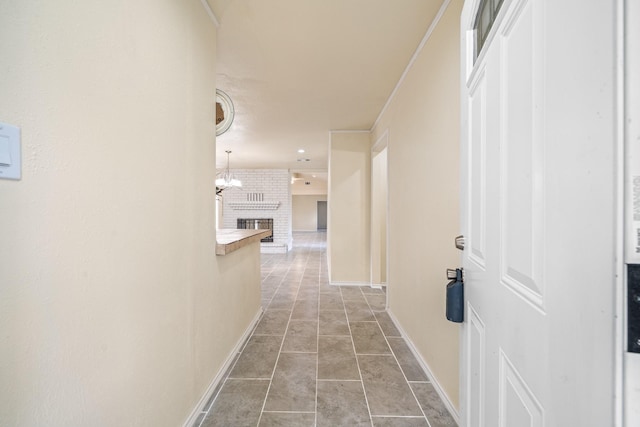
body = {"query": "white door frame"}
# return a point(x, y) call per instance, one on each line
point(628, 369)
point(381, 144)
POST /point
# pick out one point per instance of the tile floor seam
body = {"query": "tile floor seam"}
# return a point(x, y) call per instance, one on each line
point(264, 403)
point(364, 391)
point(302, 278)
point(402, 370)
point(266, 396)
point(320, 269)
point(225, 377)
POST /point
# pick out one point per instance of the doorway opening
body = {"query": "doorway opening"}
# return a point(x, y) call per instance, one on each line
point(322, 216)
point(379, 207)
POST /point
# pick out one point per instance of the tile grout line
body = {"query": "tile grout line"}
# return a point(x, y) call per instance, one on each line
point(264, 402)
point(315, 420)
point(296, 282)
point(355, 354)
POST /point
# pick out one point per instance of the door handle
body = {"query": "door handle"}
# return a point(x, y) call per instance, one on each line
point(455, 296)
point(459, 242)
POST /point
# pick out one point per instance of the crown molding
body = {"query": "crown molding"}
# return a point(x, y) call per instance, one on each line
point(351, 131)
point(212, 15)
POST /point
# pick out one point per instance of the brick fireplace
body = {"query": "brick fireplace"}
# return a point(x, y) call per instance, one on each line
point(265, 194)
point(257, 224)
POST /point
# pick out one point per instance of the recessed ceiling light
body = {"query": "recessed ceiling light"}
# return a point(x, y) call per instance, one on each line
point(301, 151)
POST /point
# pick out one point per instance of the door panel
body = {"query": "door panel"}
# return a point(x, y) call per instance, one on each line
point(518, 405)
point(477, 156)
point(522, 169)
point(475, 368)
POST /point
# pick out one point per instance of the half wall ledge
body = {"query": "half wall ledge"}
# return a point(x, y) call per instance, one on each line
point(229, 240)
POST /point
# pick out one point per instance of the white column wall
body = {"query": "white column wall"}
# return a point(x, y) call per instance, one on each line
point(349, 208)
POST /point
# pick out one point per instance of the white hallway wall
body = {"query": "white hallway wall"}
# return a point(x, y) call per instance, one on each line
point(114, 309)
point(305, 212)
point(348, 213)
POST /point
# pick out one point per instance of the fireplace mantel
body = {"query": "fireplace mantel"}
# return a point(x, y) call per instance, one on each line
point(254, 205)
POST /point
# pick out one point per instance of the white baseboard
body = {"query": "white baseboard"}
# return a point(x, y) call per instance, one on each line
point(378, 285)
point(425, 367)
point(350, 283)
point(193, 417)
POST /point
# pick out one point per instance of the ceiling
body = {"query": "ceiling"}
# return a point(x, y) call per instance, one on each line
point(297, 69)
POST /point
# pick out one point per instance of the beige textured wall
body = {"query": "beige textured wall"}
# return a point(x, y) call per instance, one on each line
point(305, 212)
point(349, 207)
point(114, 309)
point(317, 186)
point(423, 149)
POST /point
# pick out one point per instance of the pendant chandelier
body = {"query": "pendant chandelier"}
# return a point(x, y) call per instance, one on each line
point(226, 179)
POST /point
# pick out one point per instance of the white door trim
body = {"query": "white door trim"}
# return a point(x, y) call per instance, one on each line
point(620, 321)
point(628, 105)
point(381, 144)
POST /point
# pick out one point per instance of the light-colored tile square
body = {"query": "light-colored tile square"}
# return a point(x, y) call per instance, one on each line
point(400, 422)
point(258, 358)
point(336, 359)
point(273, 322)
point(238, 404)
point(358, 311)
point(305, 309)
point(287, 419)
point(293, 388)
point(408, 362)
point(301, 336)
point(342, 404)
point(387, 391)
point(386, 324)
point(377, 302)
point(333, 323)
point(432, 405)
point(368, 338)
point(331, 301)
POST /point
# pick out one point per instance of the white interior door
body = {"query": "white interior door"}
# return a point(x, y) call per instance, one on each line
point(539, 210)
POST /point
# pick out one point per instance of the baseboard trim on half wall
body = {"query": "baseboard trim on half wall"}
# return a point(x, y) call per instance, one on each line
point(213, 387)
point(425, 367)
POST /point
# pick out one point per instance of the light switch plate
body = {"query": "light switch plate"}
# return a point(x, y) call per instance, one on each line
point(10, 153)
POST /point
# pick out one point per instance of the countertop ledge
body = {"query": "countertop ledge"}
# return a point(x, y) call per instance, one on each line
point(230, 239)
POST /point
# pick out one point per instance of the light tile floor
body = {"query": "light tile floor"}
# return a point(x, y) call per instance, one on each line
point(322, 355)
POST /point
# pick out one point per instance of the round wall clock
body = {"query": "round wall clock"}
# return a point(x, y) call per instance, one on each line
point(224, 112)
